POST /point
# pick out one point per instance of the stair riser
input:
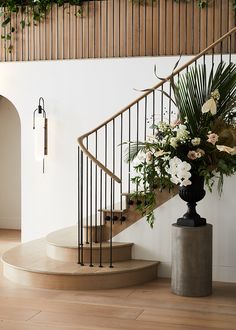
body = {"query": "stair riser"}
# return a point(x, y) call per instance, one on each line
point(121, 253)
point(80, 282)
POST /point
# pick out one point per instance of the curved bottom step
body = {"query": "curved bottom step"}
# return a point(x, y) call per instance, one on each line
point(28, 265)
point(63, 245)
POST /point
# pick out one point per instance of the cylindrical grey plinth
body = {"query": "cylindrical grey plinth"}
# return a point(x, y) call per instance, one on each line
point(191, 260)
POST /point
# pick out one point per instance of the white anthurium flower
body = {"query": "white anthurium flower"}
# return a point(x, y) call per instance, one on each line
point(229, 150)
point(209, 105)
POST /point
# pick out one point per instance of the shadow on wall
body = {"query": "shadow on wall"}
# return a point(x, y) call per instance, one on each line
point(10, 166)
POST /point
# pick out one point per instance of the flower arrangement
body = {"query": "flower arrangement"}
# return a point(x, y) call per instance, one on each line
point(202, 141)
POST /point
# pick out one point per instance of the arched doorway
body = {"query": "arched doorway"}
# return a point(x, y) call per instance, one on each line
point(10, 166)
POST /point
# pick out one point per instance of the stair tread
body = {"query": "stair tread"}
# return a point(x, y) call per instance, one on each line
point(67, 238)
point(114, 210)
point(32, 257)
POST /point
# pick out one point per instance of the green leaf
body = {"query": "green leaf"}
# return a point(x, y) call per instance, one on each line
point(22, 23)
point(7, 21)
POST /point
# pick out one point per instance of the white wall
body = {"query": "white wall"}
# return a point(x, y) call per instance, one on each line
point(155, 244)
point(79, 95)
point(10, 195)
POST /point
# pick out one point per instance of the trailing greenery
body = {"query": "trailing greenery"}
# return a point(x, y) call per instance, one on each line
point(202, 141)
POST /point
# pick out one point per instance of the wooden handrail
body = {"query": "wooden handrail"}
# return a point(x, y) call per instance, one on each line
point(174, 73)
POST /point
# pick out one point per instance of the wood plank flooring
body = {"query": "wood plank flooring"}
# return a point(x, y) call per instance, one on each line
point(145, 307)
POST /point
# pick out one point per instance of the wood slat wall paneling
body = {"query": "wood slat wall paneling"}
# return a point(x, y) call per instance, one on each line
point(118, 28)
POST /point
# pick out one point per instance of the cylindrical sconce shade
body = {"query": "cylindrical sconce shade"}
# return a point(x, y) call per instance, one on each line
point(39, 137)
point(40, 132)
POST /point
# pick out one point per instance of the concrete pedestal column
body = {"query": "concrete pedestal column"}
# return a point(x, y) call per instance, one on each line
point(191, 260)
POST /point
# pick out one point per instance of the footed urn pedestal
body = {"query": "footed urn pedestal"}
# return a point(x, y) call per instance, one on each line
point(192, 246)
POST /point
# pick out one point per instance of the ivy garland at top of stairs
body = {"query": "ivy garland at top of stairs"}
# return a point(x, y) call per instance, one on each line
point(37, 10)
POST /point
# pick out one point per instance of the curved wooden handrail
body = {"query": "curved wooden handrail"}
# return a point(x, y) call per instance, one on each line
point(174, 73)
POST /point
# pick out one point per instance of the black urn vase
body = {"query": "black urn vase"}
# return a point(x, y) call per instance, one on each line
point(192, 194)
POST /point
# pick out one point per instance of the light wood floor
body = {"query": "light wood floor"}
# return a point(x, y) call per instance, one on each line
point(145, 307)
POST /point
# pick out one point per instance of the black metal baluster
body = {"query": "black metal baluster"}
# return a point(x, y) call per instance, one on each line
point(129, 166)
point(81, 213)
point(221, 51)
point(111, 222)
point(105, 155)
point(145, 118)
point(101, 223)
point(137, 135)
point(153, 111)
point(79, 206)
point(169, 110)
point(91, 214)
point(87, 195)
point(162, 102)
point(96, 187)
point(121, 160)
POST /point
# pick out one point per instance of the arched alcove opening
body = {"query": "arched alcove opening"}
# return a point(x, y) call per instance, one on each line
point(10, 166)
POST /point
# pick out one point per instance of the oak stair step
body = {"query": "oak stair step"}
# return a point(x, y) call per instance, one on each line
point(63, 245)
point(28, 265)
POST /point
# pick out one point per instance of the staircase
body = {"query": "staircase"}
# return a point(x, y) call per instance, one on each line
point(51, 263)
point(86, 256)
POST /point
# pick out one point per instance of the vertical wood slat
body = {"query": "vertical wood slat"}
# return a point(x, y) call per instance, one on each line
point(118, 28)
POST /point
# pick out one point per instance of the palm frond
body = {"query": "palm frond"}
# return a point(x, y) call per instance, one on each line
point(194, 88)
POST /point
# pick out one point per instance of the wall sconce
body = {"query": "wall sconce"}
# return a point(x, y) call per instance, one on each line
point(40, 126)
